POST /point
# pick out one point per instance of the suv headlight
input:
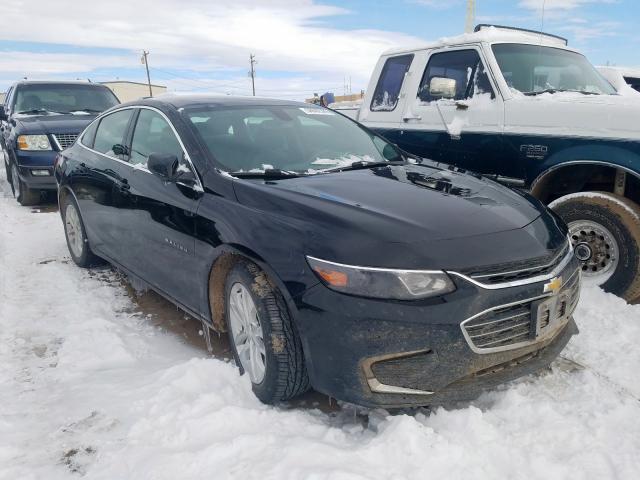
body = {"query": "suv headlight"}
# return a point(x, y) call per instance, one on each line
point(381, 282)
point(33, 142)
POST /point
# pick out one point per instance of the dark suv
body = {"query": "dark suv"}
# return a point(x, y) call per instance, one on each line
point(40, 119)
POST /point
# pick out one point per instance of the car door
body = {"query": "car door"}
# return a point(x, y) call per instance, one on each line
point(101, 184)
point(163, 250)
point(456, 114)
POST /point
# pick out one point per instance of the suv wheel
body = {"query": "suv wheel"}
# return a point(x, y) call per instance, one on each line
point(74, 232)
point(263, 338)
point(605, 232)
point(24, 195)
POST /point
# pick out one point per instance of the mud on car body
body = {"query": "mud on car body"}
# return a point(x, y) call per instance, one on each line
point(330, 257)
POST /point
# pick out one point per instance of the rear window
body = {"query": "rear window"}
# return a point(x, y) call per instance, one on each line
point(385, 96)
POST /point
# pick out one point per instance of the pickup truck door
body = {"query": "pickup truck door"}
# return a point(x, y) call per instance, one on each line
point(462, 126)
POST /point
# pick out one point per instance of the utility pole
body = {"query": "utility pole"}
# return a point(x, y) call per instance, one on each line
point(252, 73)
point(471, 16)
point(146, 66)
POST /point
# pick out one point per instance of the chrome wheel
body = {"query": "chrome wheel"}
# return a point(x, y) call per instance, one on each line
point(15, 181)
point(73, 229)
point(596, 249)
point(247, 333)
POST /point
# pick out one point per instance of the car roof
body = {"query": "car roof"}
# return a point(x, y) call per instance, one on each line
point(56, 82)
point(187, 100)
point(489, 35)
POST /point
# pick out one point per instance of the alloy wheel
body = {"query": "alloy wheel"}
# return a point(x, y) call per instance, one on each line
point(15, 181)
point(246, 331)
point(73, 229)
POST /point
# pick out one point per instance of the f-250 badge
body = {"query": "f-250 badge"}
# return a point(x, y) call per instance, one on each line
point(537, 152)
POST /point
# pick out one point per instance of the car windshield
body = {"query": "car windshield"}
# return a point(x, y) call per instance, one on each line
point(292, 138)
point(63, 98)
point(533, 69)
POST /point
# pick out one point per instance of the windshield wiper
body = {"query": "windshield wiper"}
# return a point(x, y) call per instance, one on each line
point(361, 165)
point(268, 173)
point(87, 110)
point(35, 111)
point(556, 90)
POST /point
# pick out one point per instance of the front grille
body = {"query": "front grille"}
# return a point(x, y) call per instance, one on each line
point(529, 269)
point(515, 324)
point(65, 140)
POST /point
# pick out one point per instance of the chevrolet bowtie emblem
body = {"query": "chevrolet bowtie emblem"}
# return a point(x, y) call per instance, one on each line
point(553, 286)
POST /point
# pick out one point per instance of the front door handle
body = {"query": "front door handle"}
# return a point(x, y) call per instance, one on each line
point(462, 105)
point(413, 117)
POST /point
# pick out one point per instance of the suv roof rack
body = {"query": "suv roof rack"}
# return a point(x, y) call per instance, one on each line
point(480, 26)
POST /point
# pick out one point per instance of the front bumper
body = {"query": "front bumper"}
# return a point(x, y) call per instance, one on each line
point(28, 162)
point(356, 348)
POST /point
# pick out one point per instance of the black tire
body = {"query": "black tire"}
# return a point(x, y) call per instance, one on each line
point(621, 217)
point(285, 375)
point(85, 258)
point(24, 195)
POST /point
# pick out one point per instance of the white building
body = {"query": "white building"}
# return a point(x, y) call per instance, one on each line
point(127, 91)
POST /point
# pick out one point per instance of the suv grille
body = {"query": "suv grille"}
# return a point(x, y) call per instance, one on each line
point(519, 323)
point(65, 140)
point(543, 266)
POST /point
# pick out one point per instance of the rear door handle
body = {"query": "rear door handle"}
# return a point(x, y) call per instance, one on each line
point(124, 187)
point(415, 117)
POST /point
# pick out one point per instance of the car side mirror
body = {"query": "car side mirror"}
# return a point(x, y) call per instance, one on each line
point(442, 87)
point(164, 165)
point(3, 114)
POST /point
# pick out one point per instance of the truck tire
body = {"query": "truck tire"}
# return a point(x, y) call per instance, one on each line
point(605, 231)
point(76, 236)
point(263, 338)
point(23, 194)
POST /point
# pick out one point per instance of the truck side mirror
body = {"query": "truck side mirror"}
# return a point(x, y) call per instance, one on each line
point(442, 87)
point(3, 114)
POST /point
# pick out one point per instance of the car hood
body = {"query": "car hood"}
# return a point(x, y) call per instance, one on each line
point(42, 124)
point(574, 114)
point(419, 207)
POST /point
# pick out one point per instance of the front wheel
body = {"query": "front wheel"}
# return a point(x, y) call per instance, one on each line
point(605, 233)
point(74, 231)
point(263, 337)
point(23, 194)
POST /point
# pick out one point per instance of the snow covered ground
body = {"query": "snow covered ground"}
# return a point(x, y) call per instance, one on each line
point(93, 384)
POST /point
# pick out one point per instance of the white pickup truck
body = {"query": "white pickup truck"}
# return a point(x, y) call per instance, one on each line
point(523, 107)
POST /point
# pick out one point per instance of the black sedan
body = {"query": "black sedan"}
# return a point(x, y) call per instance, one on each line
point(331, 258)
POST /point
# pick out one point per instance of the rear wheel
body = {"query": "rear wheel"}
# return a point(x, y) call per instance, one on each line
point(23, 194)
point(263, 337)
point(605, 233)
point(74, 231)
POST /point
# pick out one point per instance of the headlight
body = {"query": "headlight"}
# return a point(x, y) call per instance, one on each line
point(381, 282)
point(33, 142)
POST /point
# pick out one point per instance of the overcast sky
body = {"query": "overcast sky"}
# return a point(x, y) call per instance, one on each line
point(302, 46)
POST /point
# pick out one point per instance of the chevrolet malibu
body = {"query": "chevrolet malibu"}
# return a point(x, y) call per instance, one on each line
point(333, 259)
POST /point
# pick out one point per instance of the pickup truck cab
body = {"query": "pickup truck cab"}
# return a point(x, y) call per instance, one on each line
point(40, 119)
point(527, 110)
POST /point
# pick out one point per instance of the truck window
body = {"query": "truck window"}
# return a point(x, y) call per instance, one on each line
point(463, 66)
point(385, 96)
point(633, 82)
point(533, 68)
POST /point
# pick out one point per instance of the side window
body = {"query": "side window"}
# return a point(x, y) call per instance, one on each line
point(7, 97)
point(89, 135)
point(463, 66)
point(110, 134)
point(153, 135)
point(385, 96)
